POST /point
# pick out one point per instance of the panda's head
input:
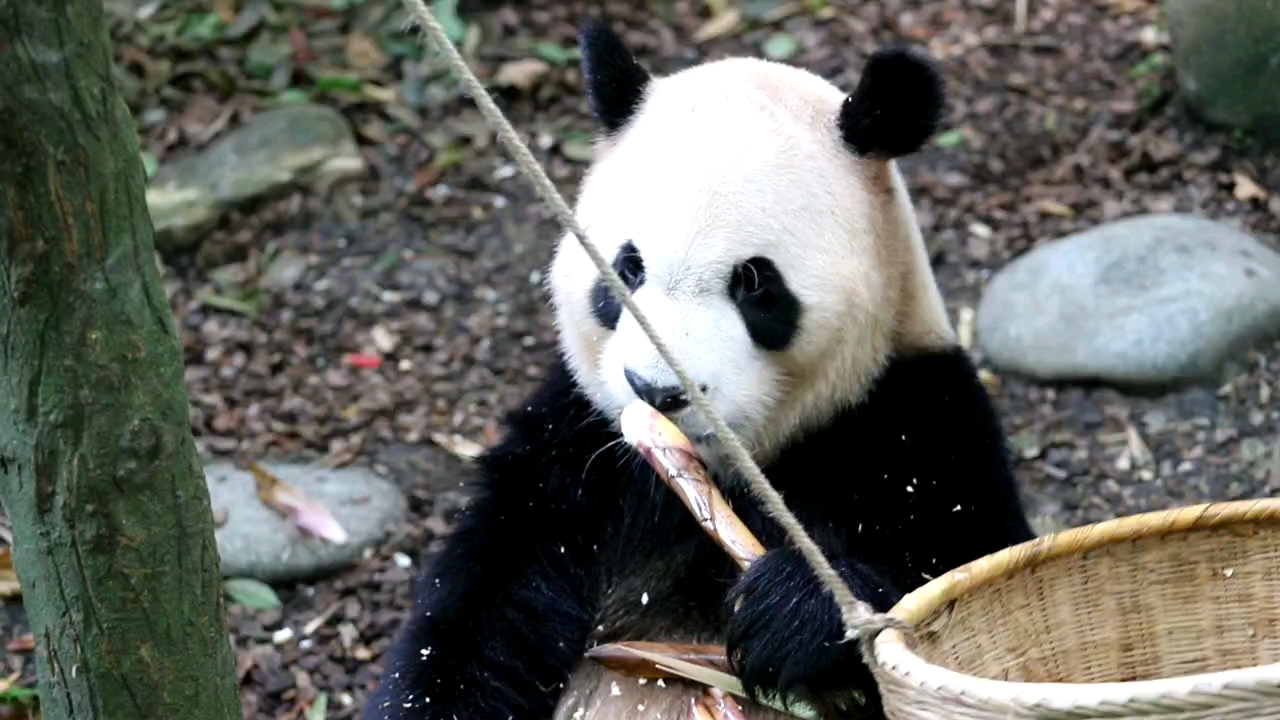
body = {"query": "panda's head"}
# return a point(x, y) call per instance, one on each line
point(756, 214)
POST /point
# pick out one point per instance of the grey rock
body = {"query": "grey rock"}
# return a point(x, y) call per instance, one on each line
point(1156, 301)
point(284, 271)
point(257, 542)
point(1227, 57)
point(292, 145)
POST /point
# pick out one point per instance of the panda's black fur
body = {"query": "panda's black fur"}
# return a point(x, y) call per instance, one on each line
point(572, 539)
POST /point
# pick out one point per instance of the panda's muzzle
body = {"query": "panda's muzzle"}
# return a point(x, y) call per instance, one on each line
point(663, 398)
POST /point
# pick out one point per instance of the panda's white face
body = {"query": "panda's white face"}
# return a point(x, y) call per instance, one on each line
point(774, 263)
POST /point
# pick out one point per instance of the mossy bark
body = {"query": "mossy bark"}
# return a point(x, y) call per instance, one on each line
point(114, 541)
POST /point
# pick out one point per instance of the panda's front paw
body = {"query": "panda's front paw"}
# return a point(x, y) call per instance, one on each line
point(785, 635)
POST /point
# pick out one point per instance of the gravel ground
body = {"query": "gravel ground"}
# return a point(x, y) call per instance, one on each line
point(435, 262)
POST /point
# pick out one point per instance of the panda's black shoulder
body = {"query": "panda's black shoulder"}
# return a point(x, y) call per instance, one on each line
point(550, 436)
point(922, 456)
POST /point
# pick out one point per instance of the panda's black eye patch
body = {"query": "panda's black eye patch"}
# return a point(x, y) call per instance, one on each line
point(630, 267)
point(768, 308)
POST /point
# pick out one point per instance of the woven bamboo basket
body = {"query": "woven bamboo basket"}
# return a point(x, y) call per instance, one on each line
point(1172, 614)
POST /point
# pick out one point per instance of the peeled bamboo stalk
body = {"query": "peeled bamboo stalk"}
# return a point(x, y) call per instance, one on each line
point(677, 462)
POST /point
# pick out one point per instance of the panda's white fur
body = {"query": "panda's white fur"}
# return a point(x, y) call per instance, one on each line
point(842, 375)
point(724, 161)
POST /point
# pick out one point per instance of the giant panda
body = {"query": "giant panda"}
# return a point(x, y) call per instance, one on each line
point(756, 215)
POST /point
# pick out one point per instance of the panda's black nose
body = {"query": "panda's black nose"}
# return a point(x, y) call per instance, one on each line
point(664, 399)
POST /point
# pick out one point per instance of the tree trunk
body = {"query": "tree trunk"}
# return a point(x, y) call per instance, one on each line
point(113, 531)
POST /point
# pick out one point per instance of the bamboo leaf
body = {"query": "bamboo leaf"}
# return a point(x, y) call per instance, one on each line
point(253, 594)
point(318, 709)
point(299, 509)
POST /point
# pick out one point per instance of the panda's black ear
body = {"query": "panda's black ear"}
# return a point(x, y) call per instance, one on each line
point(895, 108)
point(615, 81)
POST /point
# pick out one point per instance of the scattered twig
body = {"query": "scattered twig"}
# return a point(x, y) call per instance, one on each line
point(1020, 16)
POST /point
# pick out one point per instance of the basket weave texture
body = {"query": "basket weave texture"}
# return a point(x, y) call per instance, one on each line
point(1172, 614)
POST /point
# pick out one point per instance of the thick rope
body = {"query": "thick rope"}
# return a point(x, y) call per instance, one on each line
point(858, 618)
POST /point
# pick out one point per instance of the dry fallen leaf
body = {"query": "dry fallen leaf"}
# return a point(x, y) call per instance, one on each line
point(384, 339)
point(458, 445)
point(22, 643)
point(1138, 449)
point(521, 74)
point(380, 93)
point(1246, 189)
point(302, 511)
point(203, 118)
point(226, 10)
point(964, 327)
point(9, 586)
point(718, 26)
point(989, 380)
point(363, 52)
point(245, 660)
point(1055, 208)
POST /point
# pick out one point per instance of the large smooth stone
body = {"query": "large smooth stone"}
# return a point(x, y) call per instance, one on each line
point(292, 145)
point(1227, 57)
point(1158, 300)
point(257, 542)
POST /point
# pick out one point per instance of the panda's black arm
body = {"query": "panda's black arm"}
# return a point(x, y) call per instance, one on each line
point(499, 621)
point(911, 483)
point(503, 614)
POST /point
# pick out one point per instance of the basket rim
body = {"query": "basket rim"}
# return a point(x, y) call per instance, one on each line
point(896, 658)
